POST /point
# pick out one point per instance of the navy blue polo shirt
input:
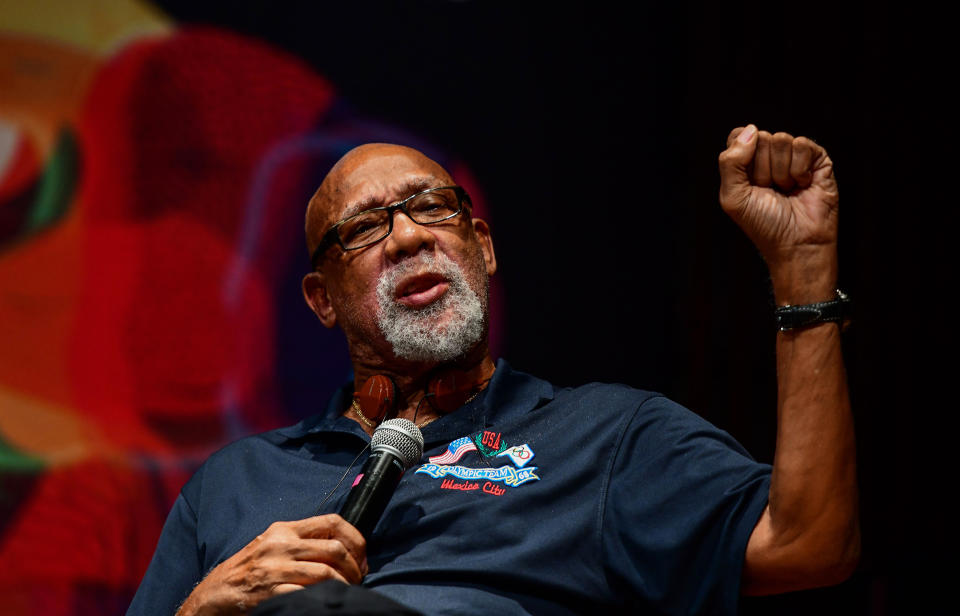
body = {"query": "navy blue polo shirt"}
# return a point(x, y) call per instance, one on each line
point(529, 499)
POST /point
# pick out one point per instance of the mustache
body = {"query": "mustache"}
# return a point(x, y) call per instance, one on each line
point(422, 263)
point(441, 331)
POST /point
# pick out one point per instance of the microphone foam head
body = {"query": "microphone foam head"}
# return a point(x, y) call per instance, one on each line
point(402, 436)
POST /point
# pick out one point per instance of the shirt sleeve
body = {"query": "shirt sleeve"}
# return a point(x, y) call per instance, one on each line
point(175, 567)
point(682, 500)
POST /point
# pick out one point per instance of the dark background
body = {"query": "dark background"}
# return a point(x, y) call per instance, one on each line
point(594, 133)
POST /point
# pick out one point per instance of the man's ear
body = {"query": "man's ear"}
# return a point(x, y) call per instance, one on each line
point(315, 292)
point(482, 230)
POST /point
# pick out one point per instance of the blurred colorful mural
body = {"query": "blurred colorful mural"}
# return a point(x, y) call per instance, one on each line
point(152, 188)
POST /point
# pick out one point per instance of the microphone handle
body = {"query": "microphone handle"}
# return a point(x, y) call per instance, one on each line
point(372, 491)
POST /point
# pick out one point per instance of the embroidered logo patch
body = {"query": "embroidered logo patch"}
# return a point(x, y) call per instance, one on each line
point(467, 479)
point(490, 443)
point(519, 455)
point(507, 475)
point(466, 486)
point(454, 452)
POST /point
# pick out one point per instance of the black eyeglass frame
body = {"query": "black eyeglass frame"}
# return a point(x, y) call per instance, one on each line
point(332, 236)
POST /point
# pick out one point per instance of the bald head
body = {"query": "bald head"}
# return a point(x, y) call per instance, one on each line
point(370, 175)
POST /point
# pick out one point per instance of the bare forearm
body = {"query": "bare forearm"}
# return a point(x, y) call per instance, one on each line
point(809, 534)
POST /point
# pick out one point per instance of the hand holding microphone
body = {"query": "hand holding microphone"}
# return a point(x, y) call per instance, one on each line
point(291, 555)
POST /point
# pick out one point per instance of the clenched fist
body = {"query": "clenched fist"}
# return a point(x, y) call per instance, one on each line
point(781, 191)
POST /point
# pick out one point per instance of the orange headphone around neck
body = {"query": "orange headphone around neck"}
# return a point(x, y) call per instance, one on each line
point(447, 391)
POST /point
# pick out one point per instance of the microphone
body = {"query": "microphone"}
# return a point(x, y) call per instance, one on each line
point(396, 445)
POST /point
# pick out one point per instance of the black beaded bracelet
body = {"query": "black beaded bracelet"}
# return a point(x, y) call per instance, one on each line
point(838, 310)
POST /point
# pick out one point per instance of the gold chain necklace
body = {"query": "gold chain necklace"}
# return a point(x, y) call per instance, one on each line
point(426, 421)
point(356, 409)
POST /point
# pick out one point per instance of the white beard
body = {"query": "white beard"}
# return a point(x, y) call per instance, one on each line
point(444, 330)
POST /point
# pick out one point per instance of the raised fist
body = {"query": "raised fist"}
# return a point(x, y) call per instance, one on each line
point(781, 190)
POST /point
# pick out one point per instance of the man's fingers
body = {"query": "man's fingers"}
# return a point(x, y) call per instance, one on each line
point(332, 526)
point(281, 589)
point(781, 153)
point(307, 572)
point(333, 553)
point(734, 162)
point(801, 161)
point(734, 134)
point(761, 161)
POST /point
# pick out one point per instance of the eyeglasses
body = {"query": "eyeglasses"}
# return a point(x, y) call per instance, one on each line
point(427, 207)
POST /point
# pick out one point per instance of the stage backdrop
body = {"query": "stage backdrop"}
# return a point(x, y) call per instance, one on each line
point(153, 184)
point(156, 159)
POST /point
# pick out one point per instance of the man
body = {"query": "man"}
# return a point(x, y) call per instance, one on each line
point(532, 499)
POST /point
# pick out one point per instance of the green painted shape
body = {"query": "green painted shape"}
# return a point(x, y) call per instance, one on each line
point(13, 460)
point(56, 185)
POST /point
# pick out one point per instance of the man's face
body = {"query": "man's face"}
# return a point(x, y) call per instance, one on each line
point(421, 293)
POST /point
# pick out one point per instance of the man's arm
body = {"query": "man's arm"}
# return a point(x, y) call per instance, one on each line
point(175, 567)
point(782, 192)
point(288, 556)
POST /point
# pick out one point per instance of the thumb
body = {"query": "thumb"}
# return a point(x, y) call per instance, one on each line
point(733, 162)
